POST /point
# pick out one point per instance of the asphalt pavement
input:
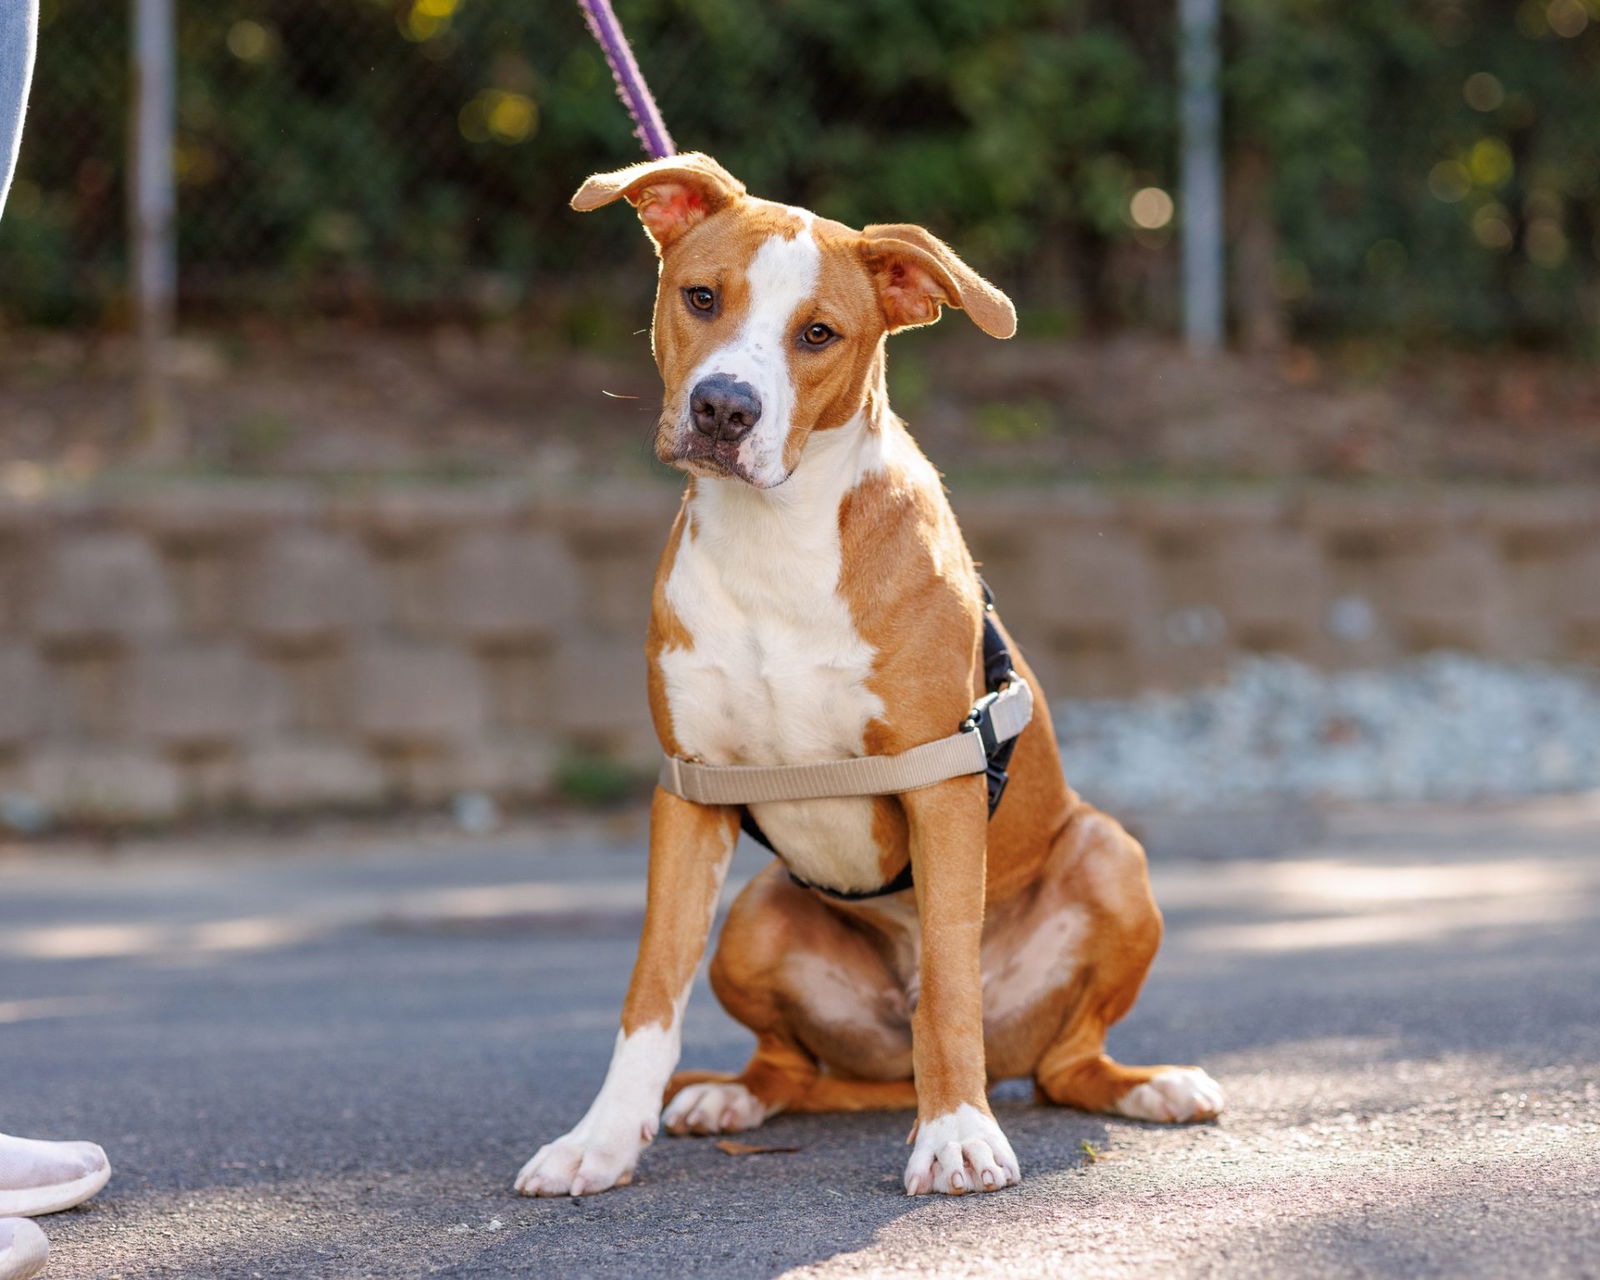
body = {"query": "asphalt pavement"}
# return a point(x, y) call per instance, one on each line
point(326, 1055)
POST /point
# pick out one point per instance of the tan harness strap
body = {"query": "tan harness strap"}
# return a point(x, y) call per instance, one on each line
point(953, 757)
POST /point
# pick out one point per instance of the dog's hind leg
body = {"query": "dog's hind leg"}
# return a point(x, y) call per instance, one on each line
point(835, 1093)
point(1108, 877)
point(725, 1102)
point(815, 992)
point(716, 1101)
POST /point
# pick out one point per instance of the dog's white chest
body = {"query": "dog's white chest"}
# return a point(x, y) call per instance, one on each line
point(776, 671)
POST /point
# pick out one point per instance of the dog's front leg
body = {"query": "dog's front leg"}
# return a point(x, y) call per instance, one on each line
point(959, 1147)
point(690, 846)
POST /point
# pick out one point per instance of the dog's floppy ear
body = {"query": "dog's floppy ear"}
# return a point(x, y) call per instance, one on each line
point(671, 195)
point(916, 273)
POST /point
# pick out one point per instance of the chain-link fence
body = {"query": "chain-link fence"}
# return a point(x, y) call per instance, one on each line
point(1423, 167)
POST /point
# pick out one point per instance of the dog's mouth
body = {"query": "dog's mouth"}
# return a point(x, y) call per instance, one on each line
point(700, 455)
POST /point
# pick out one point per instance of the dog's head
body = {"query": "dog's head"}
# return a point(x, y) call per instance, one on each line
point(769, 320)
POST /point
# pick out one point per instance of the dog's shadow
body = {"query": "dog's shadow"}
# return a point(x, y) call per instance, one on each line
point(762, 1214)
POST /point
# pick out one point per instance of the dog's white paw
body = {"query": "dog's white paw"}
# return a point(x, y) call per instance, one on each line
point(713, 1107)
point(1179, 1096)
point(960, 1152)
point(579, 1165)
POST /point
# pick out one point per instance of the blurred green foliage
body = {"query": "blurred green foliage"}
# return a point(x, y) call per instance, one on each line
point(1432, 166)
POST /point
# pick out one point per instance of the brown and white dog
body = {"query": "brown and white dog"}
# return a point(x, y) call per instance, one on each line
point(815, 602)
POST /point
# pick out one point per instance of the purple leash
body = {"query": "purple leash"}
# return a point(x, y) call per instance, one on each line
point(631, 88)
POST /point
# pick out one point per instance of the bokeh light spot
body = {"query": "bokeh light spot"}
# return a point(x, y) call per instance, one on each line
point(1490, 163)
point(1483, 91)
point(1531, 20)
point(249, 41)
point(1547, 242)
point(1491, 227)
point(24, 480)
point(1150, 207)
point(504, 117)
point(1567, 18)
point(427, 19)
point(512, 117)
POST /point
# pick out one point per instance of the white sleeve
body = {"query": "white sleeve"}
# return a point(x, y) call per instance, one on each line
point(19, 31)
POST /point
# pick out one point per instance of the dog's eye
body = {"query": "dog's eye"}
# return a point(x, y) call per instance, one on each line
point(817, 335)
point(701, 298)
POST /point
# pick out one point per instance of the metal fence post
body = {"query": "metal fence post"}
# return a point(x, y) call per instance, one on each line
point(152, 222)
point(1201, 120)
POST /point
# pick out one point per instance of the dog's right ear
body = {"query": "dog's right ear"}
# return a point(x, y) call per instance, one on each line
point(671, 195)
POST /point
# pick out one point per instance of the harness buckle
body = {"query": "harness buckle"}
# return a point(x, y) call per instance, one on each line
point(980, 720)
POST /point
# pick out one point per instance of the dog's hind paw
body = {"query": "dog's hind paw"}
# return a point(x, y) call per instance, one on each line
point(713, 1107)
point(1180, 1095)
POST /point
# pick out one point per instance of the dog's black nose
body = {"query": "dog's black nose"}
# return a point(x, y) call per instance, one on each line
point(724, 409)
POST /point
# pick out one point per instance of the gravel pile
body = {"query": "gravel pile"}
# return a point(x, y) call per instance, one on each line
point(1442, 727)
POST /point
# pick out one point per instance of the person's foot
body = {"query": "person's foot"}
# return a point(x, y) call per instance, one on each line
point(23, 1249)
point(46, 1177)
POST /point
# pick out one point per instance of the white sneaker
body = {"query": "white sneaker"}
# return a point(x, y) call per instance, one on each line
point(46, 1177)
point(23, 1249)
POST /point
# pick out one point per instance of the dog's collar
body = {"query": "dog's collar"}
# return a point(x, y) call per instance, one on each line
point(983, 744)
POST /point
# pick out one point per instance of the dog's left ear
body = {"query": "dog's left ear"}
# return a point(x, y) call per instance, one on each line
point(671, 195)
point(916, 273)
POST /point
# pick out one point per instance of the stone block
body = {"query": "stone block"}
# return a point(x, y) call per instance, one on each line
point(519, 766)
point(211, 779)
point(318, 686)
point(1579, 597)
point(1451, 595)
point(24, 515)
point(998, 514)
point(296, 774)
point(1004, 531)
point(402, 515)
point(103, 783)
point(22, 679)
point(104, 589)
point(85, 699)
point(630, 523)
point(617, 587)
point(1185, 519)
point(511, 588)
point(206, 586)
point(195, 696)
point(202, 519)
point(306, 587)
point(1271, 587)
point(1369, 526)
point(602, 702)
point(523, 766)
point(15, 559)
point(1078, 667)
point(1544, 523)
point(1089, 583)
point(522, 686)
point(410, 697)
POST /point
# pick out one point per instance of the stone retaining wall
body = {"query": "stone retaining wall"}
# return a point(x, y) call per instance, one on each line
point(278, 648)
